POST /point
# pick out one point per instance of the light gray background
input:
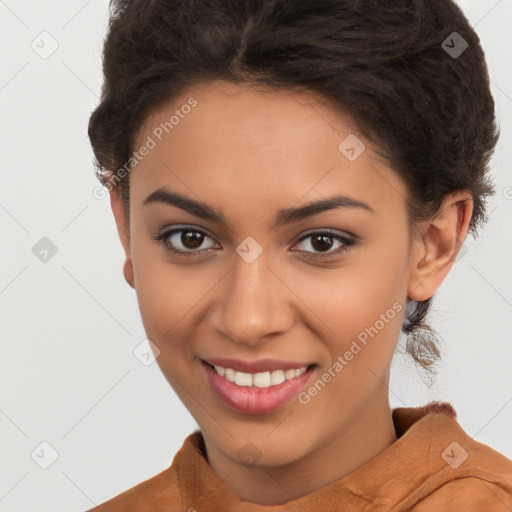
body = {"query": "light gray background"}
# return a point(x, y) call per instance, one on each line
point(69, 326)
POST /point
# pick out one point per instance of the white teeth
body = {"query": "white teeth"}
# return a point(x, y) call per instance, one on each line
point(259, 380)
point(230, 374)
point(277, 377)
point(289, 374)
point(243, 379)
point(300, 371)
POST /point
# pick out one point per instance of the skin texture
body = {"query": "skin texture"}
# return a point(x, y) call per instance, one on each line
point(250, 152)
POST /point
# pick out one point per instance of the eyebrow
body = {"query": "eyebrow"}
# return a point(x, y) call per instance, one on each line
point(284, 216)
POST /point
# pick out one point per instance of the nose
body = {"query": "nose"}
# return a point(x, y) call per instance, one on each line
point(254, 303)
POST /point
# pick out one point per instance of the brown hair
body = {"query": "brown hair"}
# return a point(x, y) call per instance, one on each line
point(387, 65)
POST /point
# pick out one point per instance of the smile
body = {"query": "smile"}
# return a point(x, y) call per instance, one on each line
point(260, 392)
point(259, 380)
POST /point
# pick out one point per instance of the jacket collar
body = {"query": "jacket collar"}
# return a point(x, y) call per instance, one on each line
point(423, 433)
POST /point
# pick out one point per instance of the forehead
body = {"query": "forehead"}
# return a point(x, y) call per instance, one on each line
point(238, 143)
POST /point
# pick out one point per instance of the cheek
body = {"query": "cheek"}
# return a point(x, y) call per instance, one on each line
point(361, 306)
point(170, 295)
point(361, 319)
point(346, 301)
point(354, 295)
point(371, 327)
point(165, 296)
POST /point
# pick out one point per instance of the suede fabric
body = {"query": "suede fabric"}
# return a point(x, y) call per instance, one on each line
point(424, 470)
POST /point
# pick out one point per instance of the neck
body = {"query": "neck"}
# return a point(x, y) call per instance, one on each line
point(369, 433)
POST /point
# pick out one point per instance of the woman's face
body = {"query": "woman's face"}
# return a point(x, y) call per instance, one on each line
point(261, 282)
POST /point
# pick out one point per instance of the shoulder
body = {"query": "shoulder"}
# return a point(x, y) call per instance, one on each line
point(472, 477)
point(477, 493)
point(153, 495)
point(449, 470)
point(162, 492)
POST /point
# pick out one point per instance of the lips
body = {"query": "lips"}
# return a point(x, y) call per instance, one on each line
point(263, 365)
point(250, 392)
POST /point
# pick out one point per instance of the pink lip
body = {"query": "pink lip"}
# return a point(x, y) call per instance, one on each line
point(263, 365)
point(253, 400)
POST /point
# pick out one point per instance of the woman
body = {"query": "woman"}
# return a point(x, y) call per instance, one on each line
point(291, 183)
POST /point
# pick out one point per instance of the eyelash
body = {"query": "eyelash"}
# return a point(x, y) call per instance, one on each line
point(347, 243)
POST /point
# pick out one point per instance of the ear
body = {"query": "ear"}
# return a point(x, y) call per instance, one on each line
point(116, 203)
point(436, 245)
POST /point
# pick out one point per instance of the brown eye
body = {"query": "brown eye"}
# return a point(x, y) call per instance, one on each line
point(321, 244)
point(191, 239)
point(184, 242)
point(187, 242)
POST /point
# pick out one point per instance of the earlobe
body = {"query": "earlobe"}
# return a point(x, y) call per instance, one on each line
point(116, 203)
point(128, 271)
point(436, 245)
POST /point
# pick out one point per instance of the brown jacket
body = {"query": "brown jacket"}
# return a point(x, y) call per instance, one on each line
point(432, 466)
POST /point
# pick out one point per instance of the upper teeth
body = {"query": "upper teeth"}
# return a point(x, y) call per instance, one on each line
point(259, 380)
